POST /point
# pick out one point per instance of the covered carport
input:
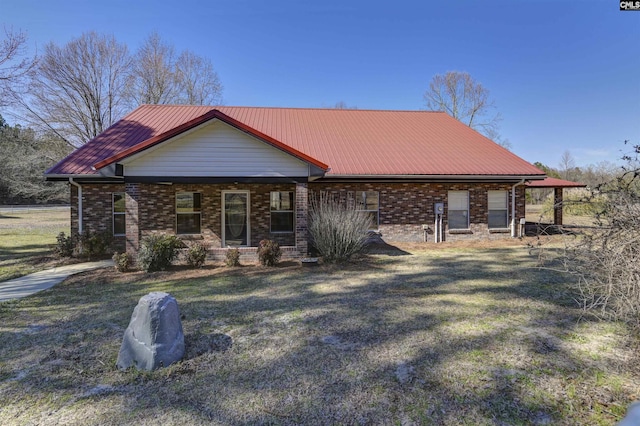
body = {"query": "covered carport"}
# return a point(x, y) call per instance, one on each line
point(558, 186)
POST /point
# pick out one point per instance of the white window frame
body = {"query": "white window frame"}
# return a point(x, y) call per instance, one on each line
point(114, 214)
point(223, 214)
point(504, 195)
point(292, 211)
point(451, 199)
point(361, 200)
point(199, 213)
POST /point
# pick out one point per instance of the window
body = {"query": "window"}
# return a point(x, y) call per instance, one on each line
point(119, 216)
point(188, 212)
point(282, 212)
point(458, 213)
point(369, 201)
point(498, 209)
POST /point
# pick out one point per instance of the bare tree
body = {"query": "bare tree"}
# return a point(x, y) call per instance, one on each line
point(463, 98)
point(152, 78)
point(14, 66)
point(567, 166)
point(198, 82)
point(77, 89)
point(159, 77)
point(343, 105)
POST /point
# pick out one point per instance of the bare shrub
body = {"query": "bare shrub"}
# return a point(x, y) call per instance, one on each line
point(232, 258)
point(606, 260)
point(269, 252)
point(338, 231)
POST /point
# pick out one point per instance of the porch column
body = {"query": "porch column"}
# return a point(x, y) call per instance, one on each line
point(132, 197)
point(557, 206)
point(302, 216)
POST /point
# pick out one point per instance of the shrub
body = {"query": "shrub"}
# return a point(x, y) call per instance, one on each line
point(232, 258)
point(91, 244)
point(64, 245)
point(197, 254)
point(123, 261)
point(338, 231)
point(158, 251)
point(269, 253)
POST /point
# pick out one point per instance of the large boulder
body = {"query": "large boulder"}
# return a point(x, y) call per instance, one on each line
point(154, 337)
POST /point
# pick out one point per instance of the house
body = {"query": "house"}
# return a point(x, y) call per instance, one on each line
point(236, 175)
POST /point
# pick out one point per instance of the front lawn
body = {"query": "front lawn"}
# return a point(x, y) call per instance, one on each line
point(27, 238)
point(441, 336)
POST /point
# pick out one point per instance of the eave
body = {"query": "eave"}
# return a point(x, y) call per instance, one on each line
point(431, 178)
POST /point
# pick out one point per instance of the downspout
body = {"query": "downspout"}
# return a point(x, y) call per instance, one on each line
point(77, 185)
point(513, 208)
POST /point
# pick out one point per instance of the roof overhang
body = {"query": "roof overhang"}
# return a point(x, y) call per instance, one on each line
point(432, 178)
point(550, 182)
point(85, 178)
point(213, 114)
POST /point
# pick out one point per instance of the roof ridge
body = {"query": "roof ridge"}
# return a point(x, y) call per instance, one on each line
point(286, 108)
point(329, 109)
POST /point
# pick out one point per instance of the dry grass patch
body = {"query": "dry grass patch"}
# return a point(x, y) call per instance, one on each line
point(26, 239)
point(456, 335)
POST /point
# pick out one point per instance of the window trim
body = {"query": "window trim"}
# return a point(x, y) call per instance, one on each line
point(505, 209)
point(449, 210)
point(292, 211)
point(376, 211)
point(199, 213)
point(114, 213)
point(223, 214)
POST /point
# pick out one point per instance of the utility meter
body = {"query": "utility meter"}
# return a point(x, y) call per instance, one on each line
point(439, 208)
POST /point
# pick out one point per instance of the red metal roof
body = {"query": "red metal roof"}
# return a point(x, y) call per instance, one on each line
point(554, 183)
point(350, 142)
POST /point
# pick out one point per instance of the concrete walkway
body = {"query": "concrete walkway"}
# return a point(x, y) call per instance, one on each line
point(38, 281)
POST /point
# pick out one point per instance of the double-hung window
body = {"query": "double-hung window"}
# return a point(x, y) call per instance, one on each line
point(119, 213)
point(188, 212)
point(282, 213)
point(369, 202)
point(458, 211)
point(497, 201)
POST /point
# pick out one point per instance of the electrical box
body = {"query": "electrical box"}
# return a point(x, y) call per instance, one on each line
point(523, 221)
point(438, 208)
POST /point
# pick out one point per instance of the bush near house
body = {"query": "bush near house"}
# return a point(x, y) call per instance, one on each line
point(269, 253)
point(232, 258)
point(196, 254)
point(158, 251)
point(338, 231)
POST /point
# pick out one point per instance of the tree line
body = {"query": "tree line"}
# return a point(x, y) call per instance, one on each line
point(70, 93)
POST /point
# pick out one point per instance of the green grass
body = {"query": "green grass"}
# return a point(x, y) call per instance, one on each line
point(450, 336)
point(26, 239)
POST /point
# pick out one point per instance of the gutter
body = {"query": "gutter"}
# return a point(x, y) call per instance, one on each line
point(435, 178)
point(77, 185)
point(513, 207)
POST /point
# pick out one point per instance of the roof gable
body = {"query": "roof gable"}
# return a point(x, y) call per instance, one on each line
point(214, 149)
point(351, 142)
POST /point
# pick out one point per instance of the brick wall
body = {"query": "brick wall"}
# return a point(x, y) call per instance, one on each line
point(406, 207)
point(97, 210)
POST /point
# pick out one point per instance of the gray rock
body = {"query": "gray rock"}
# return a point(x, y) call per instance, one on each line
point(154, 337)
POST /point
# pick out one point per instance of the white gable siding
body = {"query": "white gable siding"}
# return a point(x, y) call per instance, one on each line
point(215, 150)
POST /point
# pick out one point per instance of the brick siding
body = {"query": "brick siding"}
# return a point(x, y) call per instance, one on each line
point(404, 209)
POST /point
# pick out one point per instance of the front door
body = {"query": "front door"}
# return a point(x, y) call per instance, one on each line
point(235, 218)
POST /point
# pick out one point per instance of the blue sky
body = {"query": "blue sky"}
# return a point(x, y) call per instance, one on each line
point(564, 74)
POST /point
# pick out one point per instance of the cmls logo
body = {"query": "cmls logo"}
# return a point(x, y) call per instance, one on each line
point(630, 5)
